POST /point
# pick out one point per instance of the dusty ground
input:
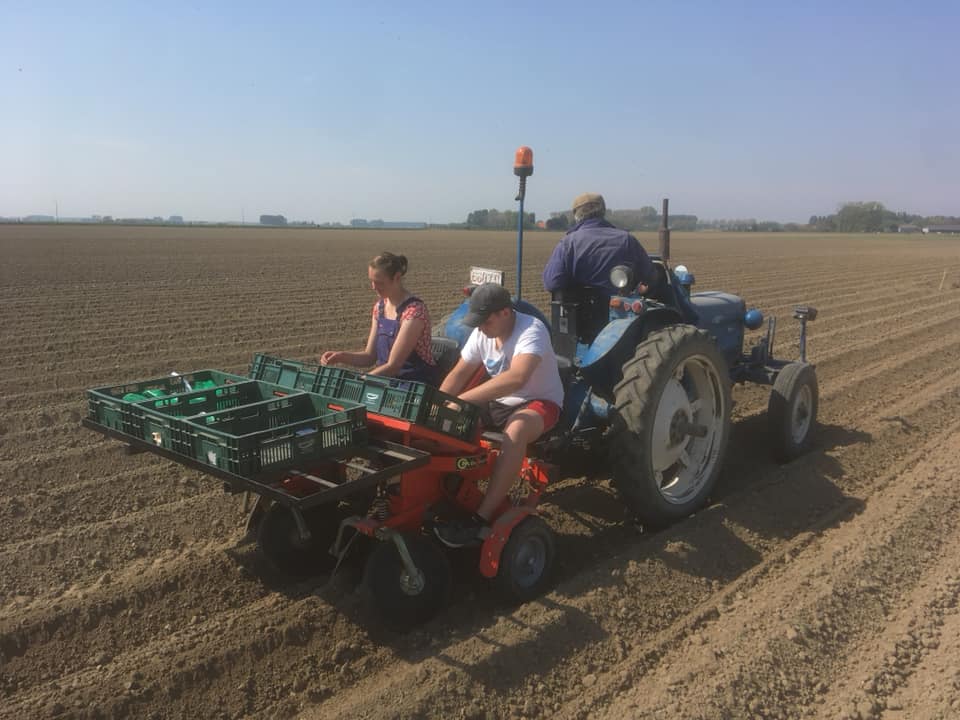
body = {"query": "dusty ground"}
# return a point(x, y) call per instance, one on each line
point(823, 588)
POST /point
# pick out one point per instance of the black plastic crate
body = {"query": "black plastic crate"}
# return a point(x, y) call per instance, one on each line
point(288, 373)
point(112, 406)
point(275, 434)
point(161, 419)
point(416, 402)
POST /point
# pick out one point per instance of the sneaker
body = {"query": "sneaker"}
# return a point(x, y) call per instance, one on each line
point(458, 534)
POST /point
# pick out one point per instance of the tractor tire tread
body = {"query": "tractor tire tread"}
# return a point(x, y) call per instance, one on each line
point(635, 409)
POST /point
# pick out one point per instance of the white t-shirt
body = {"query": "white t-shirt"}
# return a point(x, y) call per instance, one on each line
point(529, 337)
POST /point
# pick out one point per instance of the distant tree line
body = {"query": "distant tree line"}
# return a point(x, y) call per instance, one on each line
point(499, 219)
point(646, 218)
point(750, 225)
point(873, 217)
point(851, 217)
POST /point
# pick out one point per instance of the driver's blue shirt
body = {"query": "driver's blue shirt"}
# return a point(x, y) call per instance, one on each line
point(587, 254)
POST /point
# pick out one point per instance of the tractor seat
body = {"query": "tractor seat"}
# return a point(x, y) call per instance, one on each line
point(446, 352)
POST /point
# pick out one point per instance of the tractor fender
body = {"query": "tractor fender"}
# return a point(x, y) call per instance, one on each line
point(528, 309)
point(603, 361)
point(493, 545)
point(455, 329)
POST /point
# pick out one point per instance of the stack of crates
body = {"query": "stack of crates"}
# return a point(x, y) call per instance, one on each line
point(162, 419)
point(243, 426)
point(277, 433)
point(416, 402)
point(113, 406)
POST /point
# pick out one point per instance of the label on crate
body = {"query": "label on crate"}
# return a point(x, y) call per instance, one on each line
point(211, 457)
point(306, 444)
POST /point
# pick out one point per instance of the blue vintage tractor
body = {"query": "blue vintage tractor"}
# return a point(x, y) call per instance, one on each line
point(648, 378)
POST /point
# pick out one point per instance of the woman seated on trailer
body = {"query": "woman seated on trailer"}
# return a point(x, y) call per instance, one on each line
point(399, 341)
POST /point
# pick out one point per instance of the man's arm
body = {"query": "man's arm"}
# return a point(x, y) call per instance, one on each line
point(457, 378)
point(556, 273)
point(519, 374)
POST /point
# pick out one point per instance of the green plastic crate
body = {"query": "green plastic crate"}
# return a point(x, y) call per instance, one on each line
point(112, 406)
point(275, 434)
point(288, 373)
point(416, 402)
point(161, 419)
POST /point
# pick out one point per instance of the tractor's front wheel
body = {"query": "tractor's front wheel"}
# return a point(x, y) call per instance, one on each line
point(526, 560)
point(792, 410)
point(400, 598)
point(671, 424)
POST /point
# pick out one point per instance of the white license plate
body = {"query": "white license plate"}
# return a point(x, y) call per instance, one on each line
point(479, 276)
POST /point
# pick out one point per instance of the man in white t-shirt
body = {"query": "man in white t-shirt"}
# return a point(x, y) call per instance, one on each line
point(523, 397)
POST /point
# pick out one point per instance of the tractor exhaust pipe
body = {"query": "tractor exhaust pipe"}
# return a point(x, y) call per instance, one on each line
point(665, 230)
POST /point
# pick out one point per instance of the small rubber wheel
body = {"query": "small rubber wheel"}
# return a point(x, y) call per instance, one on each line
point(401, 600)
point(792, 411)
point(279, 540)
point(527, 560)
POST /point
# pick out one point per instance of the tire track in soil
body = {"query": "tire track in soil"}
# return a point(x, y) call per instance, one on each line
point(585, 630)
point(88, 621)
point(803, 638)
point(782, 477)
point(84, 553)
point(938, 360)
point(87, 502)
point(563, 627)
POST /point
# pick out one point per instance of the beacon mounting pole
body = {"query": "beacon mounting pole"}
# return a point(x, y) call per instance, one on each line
point(522, 168)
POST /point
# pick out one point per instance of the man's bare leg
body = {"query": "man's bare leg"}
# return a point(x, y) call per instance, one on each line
point(522, 428)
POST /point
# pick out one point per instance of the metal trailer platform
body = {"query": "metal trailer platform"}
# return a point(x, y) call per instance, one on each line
point(391, 458)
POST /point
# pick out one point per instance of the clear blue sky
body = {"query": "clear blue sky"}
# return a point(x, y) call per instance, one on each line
point(412, 110)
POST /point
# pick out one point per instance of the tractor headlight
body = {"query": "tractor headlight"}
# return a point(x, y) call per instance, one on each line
point(621, 277)
point(753, 319)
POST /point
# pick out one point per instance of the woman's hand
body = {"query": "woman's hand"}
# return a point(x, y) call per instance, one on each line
point(331, 357)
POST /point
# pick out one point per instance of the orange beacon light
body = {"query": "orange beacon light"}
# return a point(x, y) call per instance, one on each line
point(523, 162)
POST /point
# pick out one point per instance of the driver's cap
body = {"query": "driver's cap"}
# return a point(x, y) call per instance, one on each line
point(484, 301)
point(588, 198)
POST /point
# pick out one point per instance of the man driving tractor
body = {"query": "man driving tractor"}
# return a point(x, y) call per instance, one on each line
point(592, 248)
point(522, 399)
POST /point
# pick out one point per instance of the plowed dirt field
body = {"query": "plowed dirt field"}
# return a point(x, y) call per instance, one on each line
point(827, 587)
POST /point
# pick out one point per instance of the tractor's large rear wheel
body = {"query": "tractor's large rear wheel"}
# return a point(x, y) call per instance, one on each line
point(671, 424)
